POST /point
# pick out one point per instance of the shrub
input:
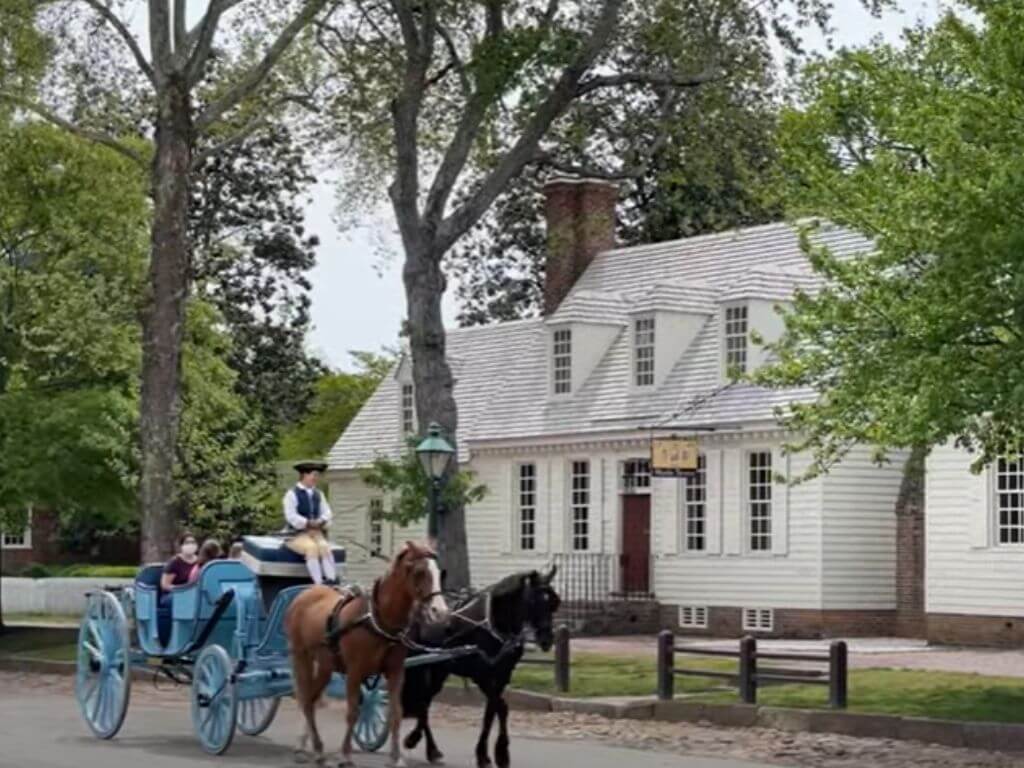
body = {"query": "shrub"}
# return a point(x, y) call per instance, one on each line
point(82, 570)
point(36, 571)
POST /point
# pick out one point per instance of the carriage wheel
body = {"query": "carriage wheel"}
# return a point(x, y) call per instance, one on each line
point(256, 715)
point(103, 671)
point(214, 699)
point(371, 729)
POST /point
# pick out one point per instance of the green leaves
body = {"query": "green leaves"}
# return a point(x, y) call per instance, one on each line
point(408, 486)
point(921, 341)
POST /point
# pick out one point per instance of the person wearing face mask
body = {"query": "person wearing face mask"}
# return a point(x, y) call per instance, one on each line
point(175, 574)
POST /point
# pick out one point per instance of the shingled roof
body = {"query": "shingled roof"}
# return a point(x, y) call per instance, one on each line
point(502, 375)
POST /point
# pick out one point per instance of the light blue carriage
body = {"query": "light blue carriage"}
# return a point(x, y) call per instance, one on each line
point(227, 640)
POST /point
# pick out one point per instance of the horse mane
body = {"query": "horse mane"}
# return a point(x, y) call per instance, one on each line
point(511, 584)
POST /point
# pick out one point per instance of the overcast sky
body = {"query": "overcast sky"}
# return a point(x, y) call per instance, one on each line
point(358, 298)
point(358, 302)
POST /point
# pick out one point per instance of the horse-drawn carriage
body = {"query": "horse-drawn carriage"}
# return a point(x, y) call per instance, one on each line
point(226, 640)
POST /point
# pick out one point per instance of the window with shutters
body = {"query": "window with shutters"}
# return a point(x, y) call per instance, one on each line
point(759, 500)
point(735, 338)
point(643, 351)
point(376, 542)
point(579, 504)
point(527, 511)
point(695, 508)
point(408, 410)
point(1010, 500)
point(561, 361)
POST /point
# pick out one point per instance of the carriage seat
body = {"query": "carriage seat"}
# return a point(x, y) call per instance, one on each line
point(268, 556)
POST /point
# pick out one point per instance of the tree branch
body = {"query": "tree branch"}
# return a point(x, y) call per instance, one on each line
point(97, 137)
point(159, 35)
point(180, 33)
point(252, 79)
point(461, 145)
point(262, 120)
point(129, 39)
point(200, 39)
point(647, 78)
point(562, 94)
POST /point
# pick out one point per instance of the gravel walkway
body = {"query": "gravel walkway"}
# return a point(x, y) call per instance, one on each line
point(785, 749)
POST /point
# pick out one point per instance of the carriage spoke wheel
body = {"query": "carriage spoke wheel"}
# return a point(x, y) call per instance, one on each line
point(103, 665)
point(214, 699)
point(256, 715)
point(371, 731)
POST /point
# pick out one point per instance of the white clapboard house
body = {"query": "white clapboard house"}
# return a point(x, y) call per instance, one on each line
point(555, 418)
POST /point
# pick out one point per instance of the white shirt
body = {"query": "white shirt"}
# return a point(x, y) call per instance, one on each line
point(291, 507)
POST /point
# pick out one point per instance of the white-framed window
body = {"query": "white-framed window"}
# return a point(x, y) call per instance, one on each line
point(758, 619)
point(376, 542)
point(636, 476)
point(735, 338)
point(18, 539)
point(643, 351)
point(1010, 501)
point(561, 361)
point(527, 511)
point(693, 616)
point(408, 409)
point(695, 519)
point(759, 500)
point(579, 504)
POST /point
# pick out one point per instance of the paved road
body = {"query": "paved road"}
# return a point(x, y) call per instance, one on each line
point(42, 729)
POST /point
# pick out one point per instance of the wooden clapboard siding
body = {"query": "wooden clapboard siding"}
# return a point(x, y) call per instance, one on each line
point(747, 579)
point(966, 573)
point(859, 532)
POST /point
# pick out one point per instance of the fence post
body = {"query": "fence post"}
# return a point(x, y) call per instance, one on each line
point(837, 675)
point(748, 670)
point(666, 664)
point(562, 658)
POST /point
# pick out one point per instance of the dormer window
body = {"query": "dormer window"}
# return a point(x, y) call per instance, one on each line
point(643, 351)
point(561, 361)
point(408, 410)
point(736, 338)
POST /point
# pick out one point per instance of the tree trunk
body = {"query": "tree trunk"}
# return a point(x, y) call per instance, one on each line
point(433, 386)
point(163, 321)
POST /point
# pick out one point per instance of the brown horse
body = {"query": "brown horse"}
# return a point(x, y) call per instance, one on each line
point(361, 635)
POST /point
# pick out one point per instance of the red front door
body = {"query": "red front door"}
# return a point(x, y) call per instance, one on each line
point(636, 544)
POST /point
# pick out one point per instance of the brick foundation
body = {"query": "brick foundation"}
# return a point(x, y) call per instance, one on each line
point(617, 617)
point(961, 629)
point(790, 623)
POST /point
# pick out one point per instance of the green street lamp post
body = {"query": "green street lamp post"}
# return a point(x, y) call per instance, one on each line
point(434, 453)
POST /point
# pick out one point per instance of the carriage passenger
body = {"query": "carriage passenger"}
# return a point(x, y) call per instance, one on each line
point(176, 574)
point(308, 515)
point(209, 551)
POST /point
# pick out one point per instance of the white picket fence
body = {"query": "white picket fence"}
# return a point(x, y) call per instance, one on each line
point(52, 596)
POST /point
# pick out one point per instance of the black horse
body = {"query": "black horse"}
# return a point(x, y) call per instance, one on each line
point(495, 621)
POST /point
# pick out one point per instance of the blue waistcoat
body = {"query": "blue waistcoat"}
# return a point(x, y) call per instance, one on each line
point(310, 511)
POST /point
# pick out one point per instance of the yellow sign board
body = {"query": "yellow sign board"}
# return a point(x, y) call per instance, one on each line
point(673, 456)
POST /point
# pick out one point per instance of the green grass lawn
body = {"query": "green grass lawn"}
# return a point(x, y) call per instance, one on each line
point(37, 645)
point(944, 695)
point(41, 618)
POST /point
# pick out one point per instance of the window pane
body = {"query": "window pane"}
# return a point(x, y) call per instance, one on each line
point(580, 505)
point(695, 507)
point(562, 361)
point(736, 337)
point(1010, 501)
point(527, 514)
point(759, 500)
point(643, 351)
point(408, 410)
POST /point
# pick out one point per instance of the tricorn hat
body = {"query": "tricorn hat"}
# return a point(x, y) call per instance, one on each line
point(310, 466)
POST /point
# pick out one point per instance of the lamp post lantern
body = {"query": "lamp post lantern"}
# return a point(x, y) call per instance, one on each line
point(434, 453)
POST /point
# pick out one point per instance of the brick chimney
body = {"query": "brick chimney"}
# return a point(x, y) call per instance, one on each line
point(581, 223)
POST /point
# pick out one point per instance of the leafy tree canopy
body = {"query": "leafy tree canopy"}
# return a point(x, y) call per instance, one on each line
point(339, 396)
point(918, 147)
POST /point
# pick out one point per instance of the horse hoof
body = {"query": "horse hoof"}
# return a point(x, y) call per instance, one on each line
point(411, 740)
point(300, 756)
point(345, 762)
point(436, 759)
point(399, 763)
